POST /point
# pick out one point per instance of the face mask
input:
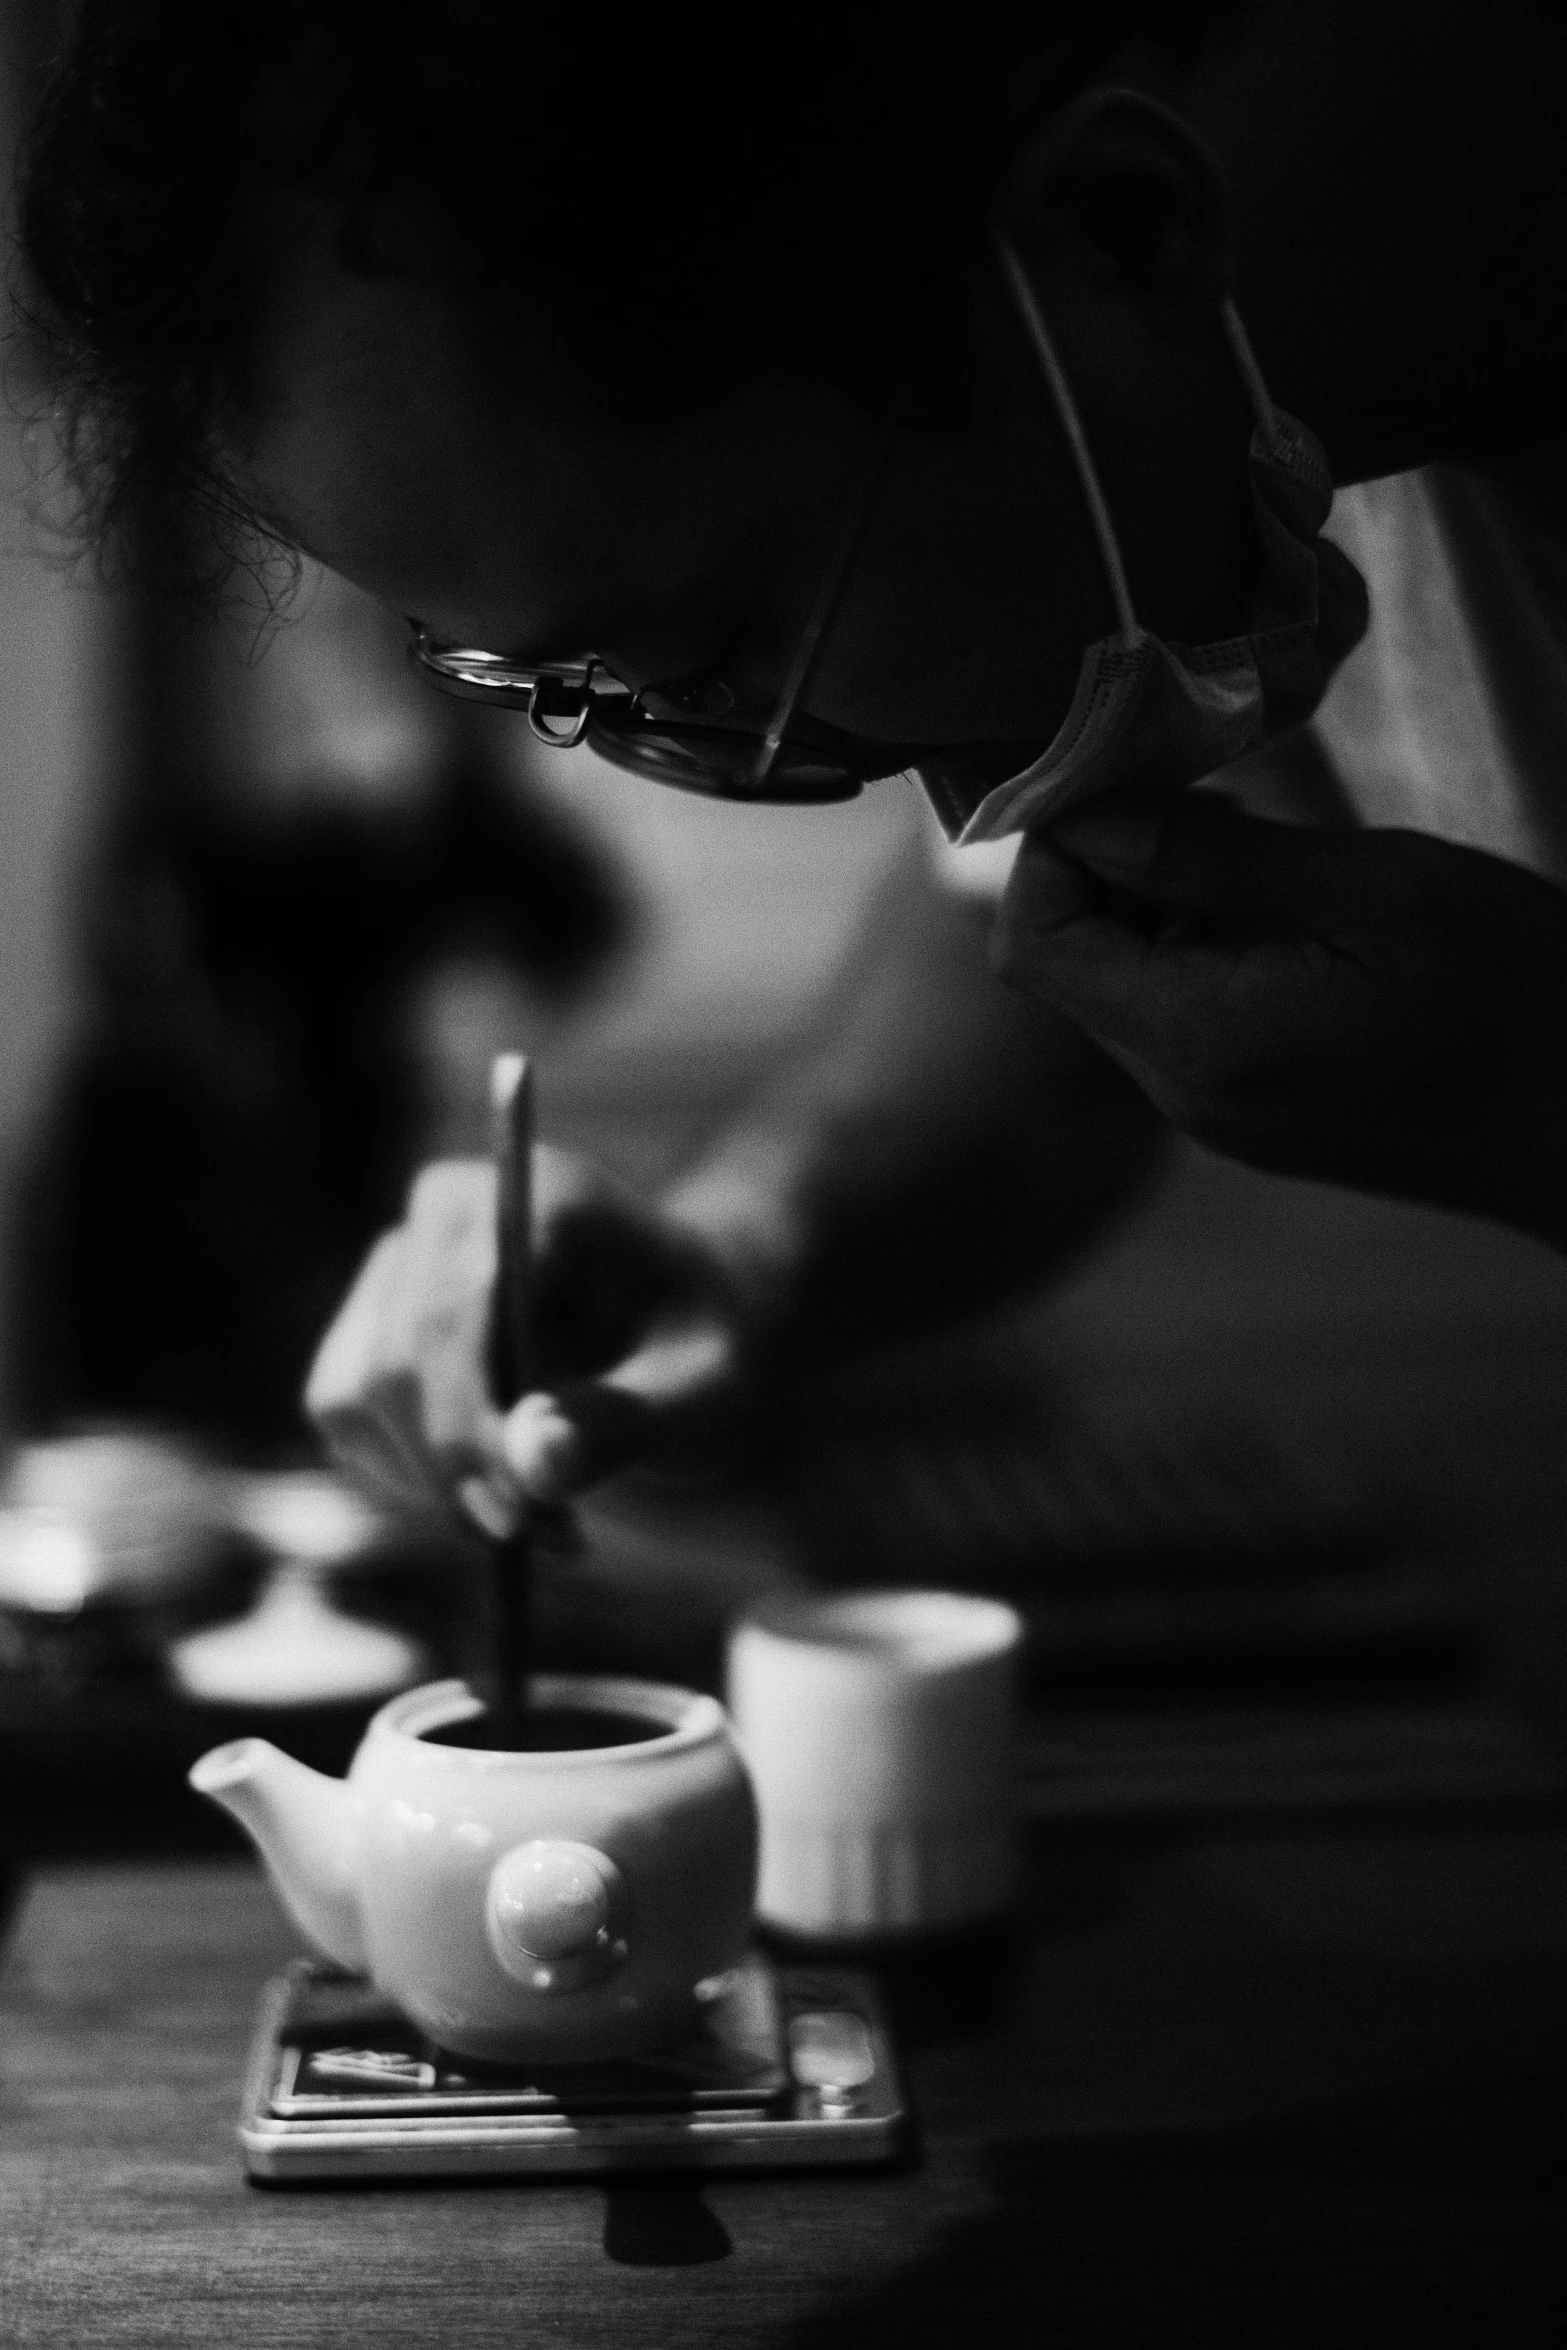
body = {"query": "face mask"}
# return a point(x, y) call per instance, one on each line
point(1151, 716)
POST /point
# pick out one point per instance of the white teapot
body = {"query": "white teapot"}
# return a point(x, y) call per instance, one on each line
point(570, 1901)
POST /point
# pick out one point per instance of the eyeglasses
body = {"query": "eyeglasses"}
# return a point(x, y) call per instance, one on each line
point(673, 735)
point(686, 735)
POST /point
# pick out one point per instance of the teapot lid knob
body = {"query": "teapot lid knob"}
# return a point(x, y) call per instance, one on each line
point(556, 1914)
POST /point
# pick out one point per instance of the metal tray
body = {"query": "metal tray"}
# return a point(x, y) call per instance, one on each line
point(793, 2067)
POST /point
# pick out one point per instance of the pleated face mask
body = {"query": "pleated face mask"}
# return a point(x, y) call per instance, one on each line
point(1152, 716)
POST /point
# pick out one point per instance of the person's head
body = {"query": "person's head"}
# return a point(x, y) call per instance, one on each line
point(566, 333)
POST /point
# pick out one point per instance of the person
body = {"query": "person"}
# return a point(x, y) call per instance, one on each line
point(862, 405)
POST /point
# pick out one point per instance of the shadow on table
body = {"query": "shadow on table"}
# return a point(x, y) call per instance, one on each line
point(661, 2223)
point(1426, 2218)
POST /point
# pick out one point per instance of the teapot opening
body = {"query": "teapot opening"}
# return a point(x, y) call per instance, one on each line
point(551, 1729)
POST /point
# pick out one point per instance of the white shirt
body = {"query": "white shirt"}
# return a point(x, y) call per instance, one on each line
point(1451, 716)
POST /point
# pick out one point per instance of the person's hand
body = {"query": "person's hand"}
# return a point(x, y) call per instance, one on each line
point(1378, 1009)
point(638, 1348)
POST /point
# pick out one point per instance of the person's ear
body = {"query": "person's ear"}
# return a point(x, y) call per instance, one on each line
point(1134, 187)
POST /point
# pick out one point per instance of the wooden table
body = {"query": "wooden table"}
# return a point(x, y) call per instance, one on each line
point(1267, 2087)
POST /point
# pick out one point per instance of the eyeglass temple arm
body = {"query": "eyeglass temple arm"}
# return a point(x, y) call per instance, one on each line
point(829, 594)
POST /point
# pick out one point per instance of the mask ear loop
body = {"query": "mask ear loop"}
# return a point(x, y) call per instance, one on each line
point(1251, 376)
point(1039, 335)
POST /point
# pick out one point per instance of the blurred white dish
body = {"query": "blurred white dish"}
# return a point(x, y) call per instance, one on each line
point(294, 1647)
point(107, 1517)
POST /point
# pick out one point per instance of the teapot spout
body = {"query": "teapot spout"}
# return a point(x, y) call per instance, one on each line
point(302, 1824)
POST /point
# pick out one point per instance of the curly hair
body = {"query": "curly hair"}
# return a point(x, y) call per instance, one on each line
point(683, 192)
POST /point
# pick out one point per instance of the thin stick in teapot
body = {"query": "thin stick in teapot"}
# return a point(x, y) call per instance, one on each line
point(511, 1564)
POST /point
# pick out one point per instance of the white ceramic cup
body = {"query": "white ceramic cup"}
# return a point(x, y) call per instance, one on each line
point(880, 1730)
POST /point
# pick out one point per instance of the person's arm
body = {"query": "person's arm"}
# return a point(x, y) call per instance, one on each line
point(938, 1144)
point(935, 1145)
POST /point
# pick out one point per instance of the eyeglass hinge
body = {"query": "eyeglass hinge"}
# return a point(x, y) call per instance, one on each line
point(567, 728)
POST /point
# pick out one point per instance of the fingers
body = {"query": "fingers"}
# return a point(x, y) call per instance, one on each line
point(1272, 989)
point(673, 1391)
point(398, 1388)
point(1366, 1007)
point(1197, 1015)
point(557, 1445)
point(1058, 937)
point(1199, 855)
point(438, 1325)
point(343, 1394)
point(1168, 930)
